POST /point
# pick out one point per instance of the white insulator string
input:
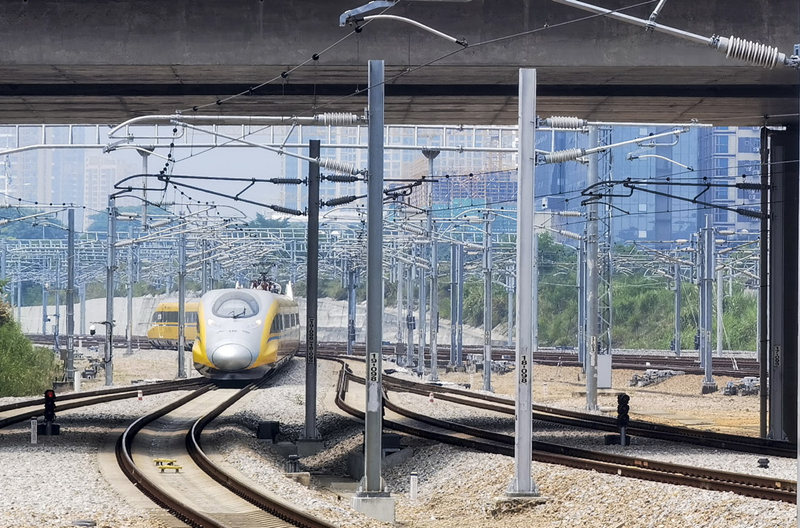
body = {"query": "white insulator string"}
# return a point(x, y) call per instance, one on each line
point(338, 119)
point(752, 52)
point(563, 155)
point(567, 122)
point(338, 166)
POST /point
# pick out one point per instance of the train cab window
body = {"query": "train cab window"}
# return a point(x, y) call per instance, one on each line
point(277, 324)
point(157, 317)
point(235, 305)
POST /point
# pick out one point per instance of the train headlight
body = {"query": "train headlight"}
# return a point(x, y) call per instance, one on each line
point(231, 356)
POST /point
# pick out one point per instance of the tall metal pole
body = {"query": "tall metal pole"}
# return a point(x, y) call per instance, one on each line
point(677, 309)
point(204, 268)
point(82, 294)
point(145, 155)
point(706, 292)
point(720, 293)
point(410, 311)
point(352, 274)
point(434, 303)
point(763, 290)
point(423, 307)
point(70, 366)
point(581, 279)
point(181, 304)
point(371, 483)
point(487, 303)
point(400, 271)
point(312, 272)
point(592, 277)
point(45, 302)
point(111, 238)
point(523, 483)
point(129, 322)
point(510, 308)
point(434, 292)
point(453, 302)
point(460, 313)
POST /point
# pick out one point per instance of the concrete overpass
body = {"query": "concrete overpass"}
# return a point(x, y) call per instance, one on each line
point(92, 61)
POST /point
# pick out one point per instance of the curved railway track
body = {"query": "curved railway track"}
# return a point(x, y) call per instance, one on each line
point(35, 407)
point(201, 494)
point(636, 467)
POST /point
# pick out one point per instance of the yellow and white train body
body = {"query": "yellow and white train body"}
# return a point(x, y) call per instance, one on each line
point(242, 333)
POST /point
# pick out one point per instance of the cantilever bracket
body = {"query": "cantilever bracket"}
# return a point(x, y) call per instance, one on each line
point(346, 17)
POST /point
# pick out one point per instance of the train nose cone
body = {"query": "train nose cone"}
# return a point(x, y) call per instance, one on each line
point(231, 356)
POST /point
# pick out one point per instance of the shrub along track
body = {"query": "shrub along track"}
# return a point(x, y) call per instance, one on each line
point(465, 436)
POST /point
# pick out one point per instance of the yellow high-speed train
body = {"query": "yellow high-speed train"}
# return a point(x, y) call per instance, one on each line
point(163, 331)
point(242, 333)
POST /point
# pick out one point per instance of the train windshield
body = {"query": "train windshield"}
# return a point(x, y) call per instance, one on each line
point(235, 305)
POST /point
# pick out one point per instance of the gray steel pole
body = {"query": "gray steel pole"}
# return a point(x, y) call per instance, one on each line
point(372, 482)
point(351, 308)
point(204, 268)
point(312, 278)
point(145, 155)
point(434, 303)
point(19, 300)
point(510, 308)
point(523, 483)
point(111, 238)
point(720, 294)
point(423, 307)
point(706, 296)
point(763, 292)
point(592, 304)
point(70, 301)
point(400, 271)
point(453, 302)
point(182, 305)
point(460, 323)
point(82, 293)
point(487, 303)
point(581, 279)
point(410, 311)
point(677, 309)
point(45, 302)
point(129, 321)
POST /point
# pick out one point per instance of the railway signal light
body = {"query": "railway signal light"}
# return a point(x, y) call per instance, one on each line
point(92, 330)
point(49, 405)
point(623, 408)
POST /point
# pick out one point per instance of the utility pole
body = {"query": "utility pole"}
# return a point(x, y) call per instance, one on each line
point(400, 271)
point(431, 154)
point(706, 286)
point(371, 486)
point(720, 293)
point(410, 324)
point(129, 322)
point(510, 308)
point(45, 302)
point(111, 238)
point(434, 304)
point(523, 484)
point(460, 312)
point(592, 276)
point(453, 302)
point(352, 277)
point(677, 309)
point(423, 306)
point(70, 364)
point(312, 278)
point(181, 304)
point(487, 302)
point(581, 280)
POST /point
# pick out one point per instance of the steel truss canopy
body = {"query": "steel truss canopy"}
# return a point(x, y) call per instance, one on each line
point(293, 58)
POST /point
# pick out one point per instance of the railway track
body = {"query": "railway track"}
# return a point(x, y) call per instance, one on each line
point(410, 422)
point(201, 493)
point(721, 366)
point(505, 405)
point(24, 410)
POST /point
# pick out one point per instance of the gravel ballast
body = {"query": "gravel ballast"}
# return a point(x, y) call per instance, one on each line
point(58, 482)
